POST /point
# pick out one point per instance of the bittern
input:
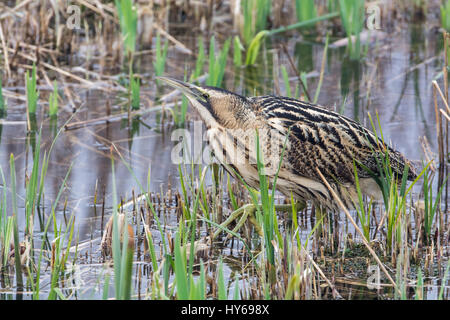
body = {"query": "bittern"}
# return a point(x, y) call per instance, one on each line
point(315, 141)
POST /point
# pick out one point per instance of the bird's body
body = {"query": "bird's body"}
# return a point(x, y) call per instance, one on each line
point(313, 139)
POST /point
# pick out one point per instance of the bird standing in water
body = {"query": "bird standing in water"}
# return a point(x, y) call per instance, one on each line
point(314, 140)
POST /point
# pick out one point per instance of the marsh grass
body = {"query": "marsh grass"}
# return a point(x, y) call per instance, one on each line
point(179, 111)
point(305, 10)
point(352, 17)
point(6, 225)
point(430, 207)
point(17, 260)
point(217, 63)
point(53, 101)
point(363, 212)
point(32, 93)
point(128, 23)
point(256, 13)
point(237, 51)
point(122, 248)
point(256, 42)
point(393, 188)
point(63, 236)
point(159, 63)
point(445, 15)
point(135, 90)
point(287, 84)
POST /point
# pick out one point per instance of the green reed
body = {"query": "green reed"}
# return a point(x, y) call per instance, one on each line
point(128, 23)
point(237, 51)
point(287, 84)
point(6, 225)
point(269, 217)
point(200, 62)
point(352, 17)
point(32, 93)
point(217, 63)
point(445, 15)
point(363, 214)
point(179, 110)
point(34, 188)
point(31, 187)
point(160, 56)
point(135, 92)
point(257, 40)
point(305, 10)
point(256, 13)
point(15, 212)
point(58, 267)
point(62, 237)
point(431, 207)
point(393, 186)
point(122, 250)
point(53, 101)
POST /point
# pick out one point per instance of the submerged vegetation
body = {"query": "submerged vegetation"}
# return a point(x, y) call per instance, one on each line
point(97, 208)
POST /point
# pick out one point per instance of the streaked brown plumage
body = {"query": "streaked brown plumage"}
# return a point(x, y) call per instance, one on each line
point(318, 139)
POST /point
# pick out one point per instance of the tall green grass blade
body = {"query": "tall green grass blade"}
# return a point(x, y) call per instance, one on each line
point(180, 270)
point(287, 84)
point(445, 16)
point(53, 101)
point(305, 10)
point(217, 63)
point(255, 13)
point(352, 16)
point(135, 92)
point(253, 48)
point(319, 85)
point(303, 24)
point(32, 93)
point(160, 57)
point(222, 291)
point(128, 23)
point(17, 261)
point(201, 58)
point(257, 40)
point(238, 48)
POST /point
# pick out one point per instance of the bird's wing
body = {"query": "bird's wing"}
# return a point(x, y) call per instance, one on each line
point(325, 140)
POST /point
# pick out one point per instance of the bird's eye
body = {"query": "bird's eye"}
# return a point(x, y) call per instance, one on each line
point(205, 95)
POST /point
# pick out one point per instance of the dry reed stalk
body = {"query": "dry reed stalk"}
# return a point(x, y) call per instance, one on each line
point(332, 287)
point(115, 117)
point(98, 8)
point(5, 52)
point(172, 39)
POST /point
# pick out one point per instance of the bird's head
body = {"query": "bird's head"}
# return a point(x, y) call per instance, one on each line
point(217, 107)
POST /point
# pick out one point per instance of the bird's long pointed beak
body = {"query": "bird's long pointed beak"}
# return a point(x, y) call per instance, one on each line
point(190, 90)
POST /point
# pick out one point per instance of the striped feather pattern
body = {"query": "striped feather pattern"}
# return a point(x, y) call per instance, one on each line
point(318, 139)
